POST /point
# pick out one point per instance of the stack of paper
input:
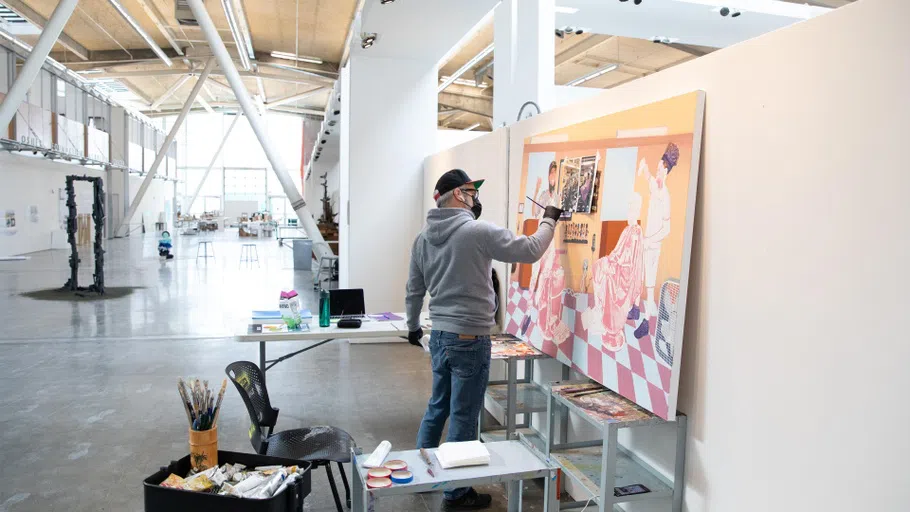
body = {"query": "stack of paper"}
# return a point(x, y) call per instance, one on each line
point(467, 453)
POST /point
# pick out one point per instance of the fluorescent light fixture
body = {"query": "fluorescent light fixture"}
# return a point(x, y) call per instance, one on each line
point(142, 33)
point(594, 74)
point(469, 128)
point(462, 81)
point(90, 71)
point(291, 56)
point(565, 10)
point(468, 65)
point(236, 33)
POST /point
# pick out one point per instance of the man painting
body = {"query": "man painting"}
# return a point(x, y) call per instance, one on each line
point(452, 259)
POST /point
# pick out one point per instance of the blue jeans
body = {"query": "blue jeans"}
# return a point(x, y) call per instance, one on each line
point(461, 369)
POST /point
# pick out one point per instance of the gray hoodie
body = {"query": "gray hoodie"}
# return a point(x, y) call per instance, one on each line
point(452, 258)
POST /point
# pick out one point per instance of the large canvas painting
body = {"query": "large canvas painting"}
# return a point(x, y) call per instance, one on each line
point(608, 297)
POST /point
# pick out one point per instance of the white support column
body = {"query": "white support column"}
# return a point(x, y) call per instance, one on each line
point(382, 196)
point(256, 122)
point(147, 181)
point(212, 164)
point(524, 60)
point(35, 60)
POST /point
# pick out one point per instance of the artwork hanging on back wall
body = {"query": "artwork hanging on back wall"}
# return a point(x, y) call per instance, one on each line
point(608, 296)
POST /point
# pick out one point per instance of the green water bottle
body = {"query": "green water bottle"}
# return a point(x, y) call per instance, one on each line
point(325, 315)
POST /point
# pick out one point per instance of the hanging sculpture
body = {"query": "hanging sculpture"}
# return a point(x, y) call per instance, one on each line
point(71, 227)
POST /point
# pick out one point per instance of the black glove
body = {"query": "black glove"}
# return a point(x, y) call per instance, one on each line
point(552, 212)
point(414, 337)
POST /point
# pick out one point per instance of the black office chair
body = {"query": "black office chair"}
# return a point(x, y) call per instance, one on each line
point(318, 445)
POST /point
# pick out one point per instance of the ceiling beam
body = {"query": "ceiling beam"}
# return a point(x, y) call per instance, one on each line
point(39, 21)
point(464, 69)
point(583, 47)
point(697, 51)
point(158, 20)
point(227, 105)
point(178, 72)
point(451, 118)
point(326, 71)
point(138, 92)
point(170, 91)
point(329, 68)
point(107, 58)
point(472, 104)
point(294, 98)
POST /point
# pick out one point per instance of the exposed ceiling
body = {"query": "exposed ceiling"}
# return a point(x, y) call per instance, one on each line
point(621, 33)
point(311, 28)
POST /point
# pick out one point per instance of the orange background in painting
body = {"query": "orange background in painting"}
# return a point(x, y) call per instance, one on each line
point(677, 115)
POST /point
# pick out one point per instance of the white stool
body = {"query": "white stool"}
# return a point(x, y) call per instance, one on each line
point(205, 245)
point(249, 254)
point(317, 279)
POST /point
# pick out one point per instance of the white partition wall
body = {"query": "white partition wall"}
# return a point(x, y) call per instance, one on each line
point(485, 158)
point(391, 128)
point(796, 281)
point(794, 359)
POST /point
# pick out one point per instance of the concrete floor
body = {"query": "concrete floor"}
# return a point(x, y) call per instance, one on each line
point(88, 389)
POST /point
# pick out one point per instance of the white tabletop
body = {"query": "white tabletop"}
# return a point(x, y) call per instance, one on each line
point(368, 329)
point(509, 460)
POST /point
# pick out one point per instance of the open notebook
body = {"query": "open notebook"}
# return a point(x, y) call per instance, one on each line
point(467, 453)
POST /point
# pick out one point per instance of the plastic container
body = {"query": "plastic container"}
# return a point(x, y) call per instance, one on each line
point(164, 499)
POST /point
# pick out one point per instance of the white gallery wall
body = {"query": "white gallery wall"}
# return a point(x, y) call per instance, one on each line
point(32, 181)
point(794, 365)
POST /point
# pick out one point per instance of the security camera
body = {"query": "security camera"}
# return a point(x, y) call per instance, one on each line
point(724, 11)
point(637, 2)
point(560, 34)
point(579, 31)
point(337, 112)
point(383, 2)
point(324, 141)
point(735, 14)
point(328, 132)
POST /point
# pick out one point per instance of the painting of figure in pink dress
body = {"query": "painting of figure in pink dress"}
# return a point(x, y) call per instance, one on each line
point(616, 282)
point(547, 297)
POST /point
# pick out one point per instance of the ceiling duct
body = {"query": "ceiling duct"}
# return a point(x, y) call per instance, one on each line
point(183, 14)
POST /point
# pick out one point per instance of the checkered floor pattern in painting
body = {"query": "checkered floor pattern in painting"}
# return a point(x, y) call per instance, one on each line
point(635, 371)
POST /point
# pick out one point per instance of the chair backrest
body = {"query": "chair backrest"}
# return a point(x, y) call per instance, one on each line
point(250, 383)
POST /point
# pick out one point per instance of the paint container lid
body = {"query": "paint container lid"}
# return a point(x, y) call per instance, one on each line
point(379, 473)
point(396, 465)
point(402, 477)
point(379, 483)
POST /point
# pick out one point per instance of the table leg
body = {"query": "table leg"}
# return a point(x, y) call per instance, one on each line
point(608, 476)
point(551, 498)
point(358, 494)
point(262, 359)
point(514, 496)
point(564, 412)
point(511, 398)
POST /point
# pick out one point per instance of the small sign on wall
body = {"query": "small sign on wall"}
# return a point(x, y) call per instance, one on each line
point(33, 213)
point(9, 222)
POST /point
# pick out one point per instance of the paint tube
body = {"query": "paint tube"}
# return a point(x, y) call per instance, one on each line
point(252, 481)
point(287, 482)
point(207, 473)
point(268, 489)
